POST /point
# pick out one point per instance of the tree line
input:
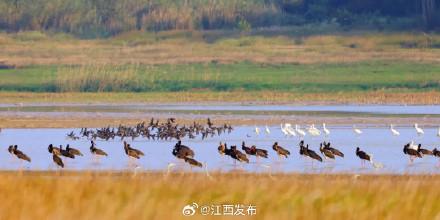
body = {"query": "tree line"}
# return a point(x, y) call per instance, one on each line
point(101, 18)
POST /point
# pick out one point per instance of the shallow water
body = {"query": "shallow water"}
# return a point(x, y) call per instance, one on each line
point(387, 149)
point(322, 110)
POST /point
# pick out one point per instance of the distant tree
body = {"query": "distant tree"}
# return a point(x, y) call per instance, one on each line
point(428, 12)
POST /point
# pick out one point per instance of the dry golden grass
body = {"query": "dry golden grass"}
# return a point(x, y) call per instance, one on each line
point(262, 97)
point(172, 47)
point(110, 195)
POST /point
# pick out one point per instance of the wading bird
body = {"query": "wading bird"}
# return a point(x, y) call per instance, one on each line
point(55, 155)
point(290, 131)
point(310, 153)
point(267, 130)
point(363, 156)
point(326, 131)
point(412, 153)
point(335, 151)
point(259, 152)
point(313, 130)
point(132, 152)
point(257, 130)
point(253, 150)
point(298, 130)
point(73, 151)
point(237, 155)
point(356, 130)
point(96, 151)
point(283, 129)
point(54, 150)
point(280, 150)
point(57, 160)
point(423, 151)
point(19, 154)
point(66, 153)
point(418, 129)
point(326, 152)
point(192, 162)
point(394, 131)
point(181, 151)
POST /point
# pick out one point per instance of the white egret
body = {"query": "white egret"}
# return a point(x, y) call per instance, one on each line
point(313, 130)
point(300, 131)
point(357, 130)
point(418, 130)
point(267, 130)
point(257, 130)
point(394, 131)
point(283, 129)
point(326, 131)
point(290, 130)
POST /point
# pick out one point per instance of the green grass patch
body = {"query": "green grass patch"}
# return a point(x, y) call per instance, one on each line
point(364, 76)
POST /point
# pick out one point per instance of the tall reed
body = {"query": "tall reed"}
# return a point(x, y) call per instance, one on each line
point(97, 78)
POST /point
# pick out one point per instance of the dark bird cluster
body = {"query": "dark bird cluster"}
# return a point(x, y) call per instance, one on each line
point(305, 151)
point(414, 151)
point(57, 152)
point(328, 151)
point(155, 130)
point(233, 152)
point(254, 151)
point(13, 149)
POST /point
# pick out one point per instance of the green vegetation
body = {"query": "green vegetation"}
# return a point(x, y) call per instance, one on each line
point(104, 18)
point(362, 76)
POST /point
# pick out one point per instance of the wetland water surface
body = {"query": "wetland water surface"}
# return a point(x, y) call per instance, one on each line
point(228, 109)
point(386, 149)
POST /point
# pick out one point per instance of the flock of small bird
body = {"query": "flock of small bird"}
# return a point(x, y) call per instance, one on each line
point(154, 130)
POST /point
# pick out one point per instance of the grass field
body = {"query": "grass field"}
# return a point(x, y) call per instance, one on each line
point(299, 78)
point(71, 195)
point(256, 97)
point(274, 46)
point(264, 65)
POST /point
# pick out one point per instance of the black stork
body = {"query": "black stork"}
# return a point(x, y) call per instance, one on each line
point(363, 156)
point(19, 154)
point(280, 150)
point(96, 151)
point(73, 151)
point(413, 153)
point(326, 152)
point(335, 151)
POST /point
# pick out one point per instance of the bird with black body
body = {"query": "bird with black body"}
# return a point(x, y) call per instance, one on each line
point(66, 153)
point(423, 151)
point(363, 156)
point(280, 150)
point(54, 150)
point(326, 152)
point(19, 154)
point(73, 151)
point(96, 151)
point(334, 151)
point(411, 152)
point(312, 154)
point(181, 151)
